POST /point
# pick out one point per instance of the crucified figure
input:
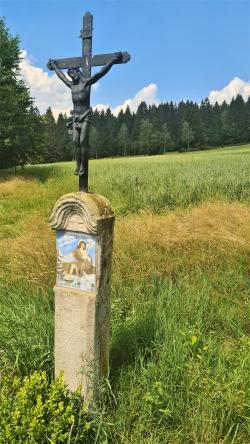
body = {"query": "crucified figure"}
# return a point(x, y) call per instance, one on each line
point(80, 120)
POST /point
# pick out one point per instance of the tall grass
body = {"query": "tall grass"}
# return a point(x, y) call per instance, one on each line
point(180, 344)
point(26, 325)
point(153, 184)
point(184, 377)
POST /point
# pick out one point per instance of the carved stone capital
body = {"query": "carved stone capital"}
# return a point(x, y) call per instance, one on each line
point(83, 212)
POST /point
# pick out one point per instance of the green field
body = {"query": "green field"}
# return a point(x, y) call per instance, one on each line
point(180, 345)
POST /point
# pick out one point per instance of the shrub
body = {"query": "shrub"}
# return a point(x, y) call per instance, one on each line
point(34, 410)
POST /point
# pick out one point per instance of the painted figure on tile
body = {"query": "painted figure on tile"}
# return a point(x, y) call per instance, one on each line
point(76, 260)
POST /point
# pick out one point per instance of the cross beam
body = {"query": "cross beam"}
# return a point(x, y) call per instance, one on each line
point(86, 62)
point(96, 60)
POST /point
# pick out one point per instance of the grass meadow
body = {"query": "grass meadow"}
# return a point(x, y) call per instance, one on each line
point(180, 344)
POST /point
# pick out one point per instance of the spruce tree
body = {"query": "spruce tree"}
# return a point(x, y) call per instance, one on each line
point(64, 145)
point(19, 119)
point(93, 142)
point(49, 137)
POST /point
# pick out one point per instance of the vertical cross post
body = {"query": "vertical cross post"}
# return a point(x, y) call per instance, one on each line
point(86, 35)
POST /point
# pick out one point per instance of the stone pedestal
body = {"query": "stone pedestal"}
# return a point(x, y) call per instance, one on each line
point(84, 235)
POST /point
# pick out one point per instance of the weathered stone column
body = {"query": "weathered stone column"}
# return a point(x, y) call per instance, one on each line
point(84, 236)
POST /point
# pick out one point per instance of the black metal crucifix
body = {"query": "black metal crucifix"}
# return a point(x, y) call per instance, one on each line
point(80, 85)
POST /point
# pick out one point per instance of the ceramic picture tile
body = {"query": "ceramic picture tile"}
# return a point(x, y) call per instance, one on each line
point(76, 260)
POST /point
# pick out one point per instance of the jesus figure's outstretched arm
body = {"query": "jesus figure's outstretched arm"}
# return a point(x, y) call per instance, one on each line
point(53, 65)
point(105, 69)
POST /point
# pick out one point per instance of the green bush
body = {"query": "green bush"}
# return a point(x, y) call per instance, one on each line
point(34, 410)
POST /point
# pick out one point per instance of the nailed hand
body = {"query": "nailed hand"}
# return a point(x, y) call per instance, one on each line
point(118, 57)
point(51, 64)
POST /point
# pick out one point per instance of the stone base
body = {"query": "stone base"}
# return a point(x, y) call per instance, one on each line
point(75, 338)
point(84, 231)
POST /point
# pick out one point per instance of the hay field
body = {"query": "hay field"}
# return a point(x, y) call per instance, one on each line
point(180, 346)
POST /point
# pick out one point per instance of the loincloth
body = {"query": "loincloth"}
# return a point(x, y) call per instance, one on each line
point(77, 120)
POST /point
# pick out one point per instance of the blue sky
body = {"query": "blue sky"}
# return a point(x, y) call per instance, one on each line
point(179, 49)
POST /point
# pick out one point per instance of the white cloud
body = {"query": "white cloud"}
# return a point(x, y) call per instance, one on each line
point(48, 90)
point(146, 94)
point(101, 107)
point(236, 86)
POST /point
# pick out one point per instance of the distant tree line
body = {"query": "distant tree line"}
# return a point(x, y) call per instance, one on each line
point(28, 137)
point(169, 127)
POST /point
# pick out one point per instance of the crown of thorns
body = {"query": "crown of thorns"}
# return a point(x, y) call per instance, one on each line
point(73, 69)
